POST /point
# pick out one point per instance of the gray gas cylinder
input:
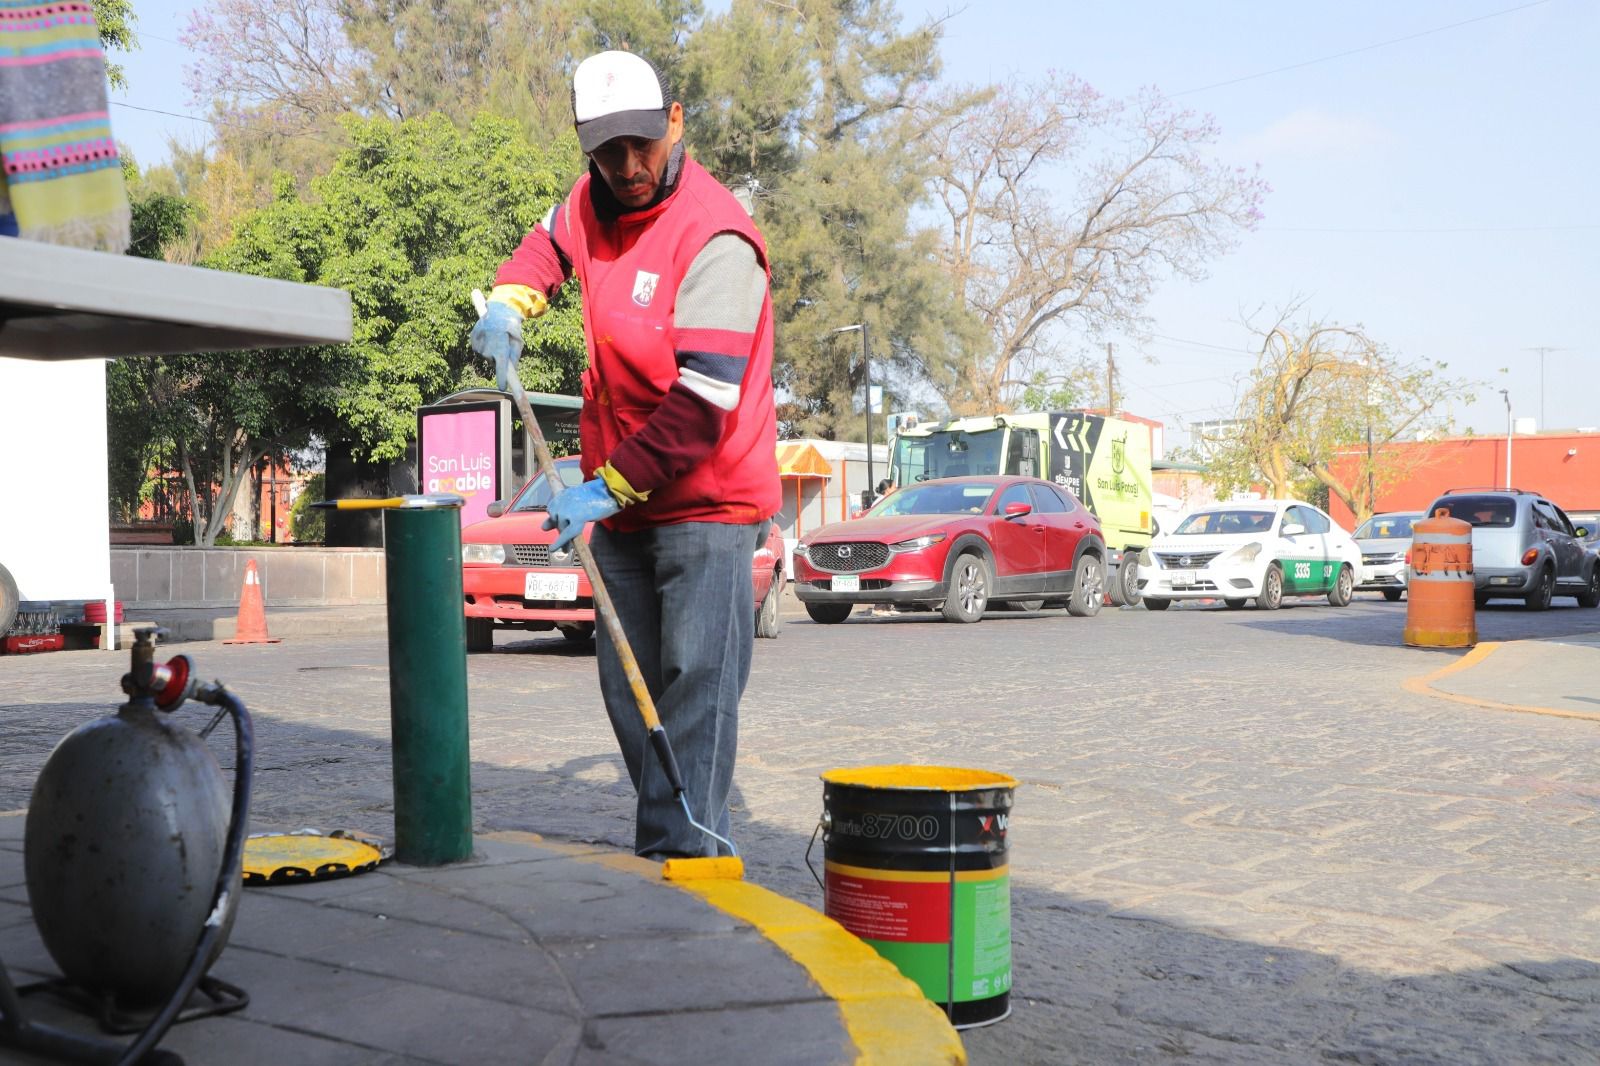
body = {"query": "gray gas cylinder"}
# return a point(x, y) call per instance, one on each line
point(124, 845)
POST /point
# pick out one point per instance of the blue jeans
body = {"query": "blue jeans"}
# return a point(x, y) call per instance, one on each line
point(684, 597)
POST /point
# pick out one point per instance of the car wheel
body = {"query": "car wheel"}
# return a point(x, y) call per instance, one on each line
point(1128, 580)
point(1543, 592)
point(829, 613)
point(1590, 597)
point(480, 635)
point(1393, 595)
point(1154, 603)
point(1088, 588)
point(578, 632)
point(967, 594)
point(768, 620)
point(1344, 588)
point(1271, 597)
point(1233, 604)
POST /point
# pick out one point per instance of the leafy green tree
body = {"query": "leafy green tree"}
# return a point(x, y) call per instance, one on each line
point(810, 106)
point(412, 218)
point(136, 436)
point(115, 20)
point(305, 524)
point(409, 220)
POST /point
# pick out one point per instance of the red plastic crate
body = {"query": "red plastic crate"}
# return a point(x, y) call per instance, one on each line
point(25, 645)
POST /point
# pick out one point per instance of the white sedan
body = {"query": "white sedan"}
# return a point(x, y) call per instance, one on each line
point(1261, 549)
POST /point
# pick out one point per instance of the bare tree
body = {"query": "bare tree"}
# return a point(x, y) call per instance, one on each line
point(291, 57)
point(1322, 389)
point(1063, 208)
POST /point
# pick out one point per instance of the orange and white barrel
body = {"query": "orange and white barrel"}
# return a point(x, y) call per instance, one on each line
point(1440, 612)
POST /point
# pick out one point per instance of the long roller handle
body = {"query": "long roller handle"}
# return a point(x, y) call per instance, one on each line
point(603, 609)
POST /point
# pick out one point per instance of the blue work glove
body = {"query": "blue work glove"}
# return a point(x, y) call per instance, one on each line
point(498, 337)
point(575, 508)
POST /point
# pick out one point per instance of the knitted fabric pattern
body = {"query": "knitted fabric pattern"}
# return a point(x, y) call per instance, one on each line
point(62, 173)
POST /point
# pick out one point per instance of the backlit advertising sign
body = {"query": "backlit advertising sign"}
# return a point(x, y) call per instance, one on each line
point(460, 448)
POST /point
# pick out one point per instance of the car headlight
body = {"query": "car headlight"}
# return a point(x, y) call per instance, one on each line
point(483, 553)
point(1248, 553)
point(916, 544)
point(802, 550)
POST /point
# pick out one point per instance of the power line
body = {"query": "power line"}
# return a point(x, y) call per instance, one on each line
point(1433, 229)
point(1202, 344)
point(169, 114)
point(224, 122)
point(1363, 48)
point(143, 36)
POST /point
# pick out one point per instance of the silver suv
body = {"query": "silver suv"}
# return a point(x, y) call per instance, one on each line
point(1524, 547)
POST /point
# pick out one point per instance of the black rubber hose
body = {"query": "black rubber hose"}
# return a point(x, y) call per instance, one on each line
point(232, 858)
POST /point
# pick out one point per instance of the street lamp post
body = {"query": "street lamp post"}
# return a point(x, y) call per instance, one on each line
point(866, 364)
point(1506, 393)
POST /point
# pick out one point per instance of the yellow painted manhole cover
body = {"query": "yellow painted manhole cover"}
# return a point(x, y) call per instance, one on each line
point(286, 858)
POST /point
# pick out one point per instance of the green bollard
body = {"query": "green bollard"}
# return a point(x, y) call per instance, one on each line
point(428, 686)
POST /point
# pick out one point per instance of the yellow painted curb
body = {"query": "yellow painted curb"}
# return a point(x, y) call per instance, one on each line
point(885, 1014)
point(1423, 686)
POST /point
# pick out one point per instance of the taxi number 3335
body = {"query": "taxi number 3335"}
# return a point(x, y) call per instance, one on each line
point(1302, 571)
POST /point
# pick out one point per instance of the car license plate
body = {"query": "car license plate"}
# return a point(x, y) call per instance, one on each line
point(551, 587)
point(1182, 577)
point(847, 583)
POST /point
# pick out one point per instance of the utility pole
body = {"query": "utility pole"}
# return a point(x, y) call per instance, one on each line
point(1506, 393)
point(1111, 381)
point(866, 362)
point(1543, 351)
point(1372, 488)
point(866, 365)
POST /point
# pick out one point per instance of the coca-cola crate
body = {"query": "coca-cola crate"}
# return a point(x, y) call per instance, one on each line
point(30, 643)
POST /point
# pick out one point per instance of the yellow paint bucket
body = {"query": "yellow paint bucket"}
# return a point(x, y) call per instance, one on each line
point(917, 865)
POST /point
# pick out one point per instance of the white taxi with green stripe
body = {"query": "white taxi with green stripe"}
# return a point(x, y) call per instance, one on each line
point(1261, 550)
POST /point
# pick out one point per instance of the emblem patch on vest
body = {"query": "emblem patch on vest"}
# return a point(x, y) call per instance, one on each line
point(644, 287)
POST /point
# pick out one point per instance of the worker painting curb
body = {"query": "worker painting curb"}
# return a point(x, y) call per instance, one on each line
point(1423, 686)
point(885, 1014)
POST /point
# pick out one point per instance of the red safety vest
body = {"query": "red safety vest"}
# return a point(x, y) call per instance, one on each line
point(630, 270)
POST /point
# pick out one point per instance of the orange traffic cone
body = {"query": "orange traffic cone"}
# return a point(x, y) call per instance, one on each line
point(252, 625)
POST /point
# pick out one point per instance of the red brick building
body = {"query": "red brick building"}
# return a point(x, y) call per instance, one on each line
point(1563, 466)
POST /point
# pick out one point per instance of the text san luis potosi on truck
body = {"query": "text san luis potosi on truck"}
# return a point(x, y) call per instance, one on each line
point(1104, 462)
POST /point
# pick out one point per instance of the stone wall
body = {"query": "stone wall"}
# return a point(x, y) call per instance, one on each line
point(155, 578)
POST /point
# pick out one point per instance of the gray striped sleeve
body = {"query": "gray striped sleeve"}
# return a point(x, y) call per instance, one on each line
point(724, 288)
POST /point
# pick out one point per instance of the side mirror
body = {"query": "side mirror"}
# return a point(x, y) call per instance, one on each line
point(1293, 529)
point(866, 498)
point(497, 508)
point(1016, 509)
point(1582, 532)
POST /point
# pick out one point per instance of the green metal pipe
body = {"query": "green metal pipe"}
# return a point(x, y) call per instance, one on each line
point(428, 687)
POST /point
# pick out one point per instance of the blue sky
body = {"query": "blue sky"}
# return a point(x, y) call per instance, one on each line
point(1435, 190)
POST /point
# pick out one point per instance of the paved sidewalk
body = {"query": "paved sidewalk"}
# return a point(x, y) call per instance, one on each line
point(1556, 676)
point(536, 952)
point(219, 623)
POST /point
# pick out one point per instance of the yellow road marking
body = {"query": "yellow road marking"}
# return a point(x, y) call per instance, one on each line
point(1423, 686)
point(885, 1014)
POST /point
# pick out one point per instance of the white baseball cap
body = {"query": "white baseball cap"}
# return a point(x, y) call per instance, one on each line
point(618, 94)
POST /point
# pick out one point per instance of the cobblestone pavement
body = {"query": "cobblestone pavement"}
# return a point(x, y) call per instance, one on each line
point(1237, 839)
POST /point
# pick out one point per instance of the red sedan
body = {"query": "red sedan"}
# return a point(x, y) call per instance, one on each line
point(958, 544)
point(512, 581)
